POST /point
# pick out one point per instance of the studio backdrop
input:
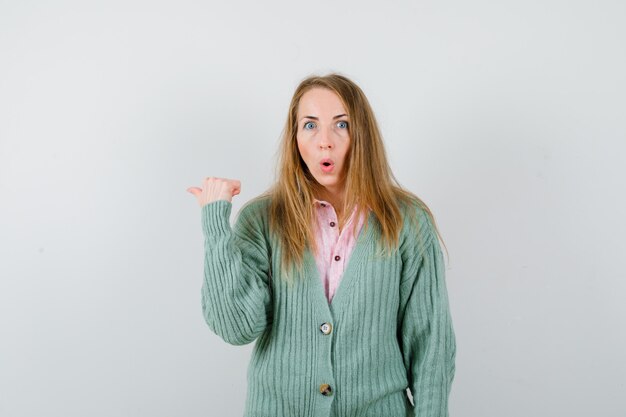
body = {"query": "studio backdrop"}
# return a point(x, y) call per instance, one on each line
point(507, 118)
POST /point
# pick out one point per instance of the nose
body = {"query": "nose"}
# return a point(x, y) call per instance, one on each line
point(325, 141)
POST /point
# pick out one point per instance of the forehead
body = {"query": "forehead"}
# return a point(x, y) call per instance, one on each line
point(320, 101)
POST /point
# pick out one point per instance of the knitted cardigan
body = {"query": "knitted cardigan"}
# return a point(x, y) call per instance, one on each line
point(388, 327)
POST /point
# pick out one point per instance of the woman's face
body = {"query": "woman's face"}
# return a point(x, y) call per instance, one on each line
point(323, 136)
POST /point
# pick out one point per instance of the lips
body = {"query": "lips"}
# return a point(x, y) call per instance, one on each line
point(327, 165)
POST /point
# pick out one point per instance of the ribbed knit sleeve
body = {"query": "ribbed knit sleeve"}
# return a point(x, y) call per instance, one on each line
point(426, 332)
point(236, 300)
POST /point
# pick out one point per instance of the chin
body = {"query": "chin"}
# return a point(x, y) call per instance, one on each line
point(327, 180)
point(328, 183)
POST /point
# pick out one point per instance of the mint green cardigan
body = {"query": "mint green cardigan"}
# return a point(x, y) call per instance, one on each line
point(388, 327)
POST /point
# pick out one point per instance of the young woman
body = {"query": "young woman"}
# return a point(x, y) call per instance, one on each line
point(335, 269)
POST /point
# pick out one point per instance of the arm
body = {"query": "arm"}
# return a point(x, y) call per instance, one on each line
point(236, 300)
point(425, 330)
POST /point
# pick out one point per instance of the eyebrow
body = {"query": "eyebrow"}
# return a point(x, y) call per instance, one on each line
point(317, 118)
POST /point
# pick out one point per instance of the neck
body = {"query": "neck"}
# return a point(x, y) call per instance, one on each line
point(334, 195)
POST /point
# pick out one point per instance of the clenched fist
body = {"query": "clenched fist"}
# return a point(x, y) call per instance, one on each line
point(216, 189)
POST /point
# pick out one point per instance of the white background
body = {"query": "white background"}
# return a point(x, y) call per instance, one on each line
point(507, 118)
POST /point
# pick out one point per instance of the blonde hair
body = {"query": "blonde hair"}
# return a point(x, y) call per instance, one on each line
point(370, 184)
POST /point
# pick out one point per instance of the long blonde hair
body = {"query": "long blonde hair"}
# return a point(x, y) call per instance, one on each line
point(370, 183)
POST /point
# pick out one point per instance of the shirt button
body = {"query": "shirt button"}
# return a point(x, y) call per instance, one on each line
point(326, 390)
point(332, 224)
point(337, 257)
point(326, 328)
point(322, 204)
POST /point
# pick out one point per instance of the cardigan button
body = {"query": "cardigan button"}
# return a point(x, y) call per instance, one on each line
point(326, 390)
point(337, 257)
point(326, 328)
point(332, 224)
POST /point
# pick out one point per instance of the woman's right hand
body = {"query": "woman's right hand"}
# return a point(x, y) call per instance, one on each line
point(214, 189)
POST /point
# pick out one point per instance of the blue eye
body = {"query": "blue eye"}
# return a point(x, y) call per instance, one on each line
point(308, 123)
point(344, 123)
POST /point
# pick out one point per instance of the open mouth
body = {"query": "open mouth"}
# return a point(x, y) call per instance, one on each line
point(327, 165)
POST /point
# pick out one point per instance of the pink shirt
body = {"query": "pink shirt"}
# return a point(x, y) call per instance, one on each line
point(334, 248)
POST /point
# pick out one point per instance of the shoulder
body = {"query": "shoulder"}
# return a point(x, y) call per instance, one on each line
point(254, 213)
point(417, 217)
point(418, 227)
point(256, 207)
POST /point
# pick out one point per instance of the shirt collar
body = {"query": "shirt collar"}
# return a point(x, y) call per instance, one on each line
point(322, 203)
